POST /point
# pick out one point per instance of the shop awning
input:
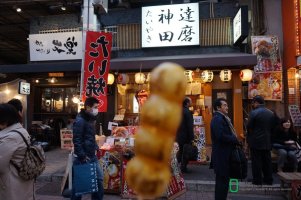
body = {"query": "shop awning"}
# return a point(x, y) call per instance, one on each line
point(230, 60)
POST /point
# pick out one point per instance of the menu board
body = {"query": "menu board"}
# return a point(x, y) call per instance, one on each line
point(295, 114)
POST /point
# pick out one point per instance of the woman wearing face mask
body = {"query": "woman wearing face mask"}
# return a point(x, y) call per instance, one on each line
point(85, 144)
point(283, 140)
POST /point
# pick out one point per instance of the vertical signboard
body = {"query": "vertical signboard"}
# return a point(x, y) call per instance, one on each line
point(96, 67)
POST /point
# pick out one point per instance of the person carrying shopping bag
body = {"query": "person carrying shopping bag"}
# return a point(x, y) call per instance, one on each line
point(85, 147)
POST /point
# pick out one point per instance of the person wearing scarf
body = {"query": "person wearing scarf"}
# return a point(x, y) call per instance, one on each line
point(224, 139)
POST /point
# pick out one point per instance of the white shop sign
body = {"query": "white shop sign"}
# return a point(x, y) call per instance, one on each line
point(170, 25)
point(55, 46)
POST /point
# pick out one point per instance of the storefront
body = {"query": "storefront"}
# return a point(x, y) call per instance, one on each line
point(211, 50)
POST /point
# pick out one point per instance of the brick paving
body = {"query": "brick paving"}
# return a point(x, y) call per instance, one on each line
point(199, 182)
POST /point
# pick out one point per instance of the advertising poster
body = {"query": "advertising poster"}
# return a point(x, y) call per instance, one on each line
point(176, 185)
point(111, 163)
point(295, 115)
point(200, 142)
point(266, 48)
point(268, 85)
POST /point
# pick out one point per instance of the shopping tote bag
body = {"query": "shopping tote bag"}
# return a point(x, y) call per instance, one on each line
point(85, 178)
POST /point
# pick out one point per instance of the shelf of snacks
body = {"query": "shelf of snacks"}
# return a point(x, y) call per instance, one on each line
point(116, 148)
point(66, 136)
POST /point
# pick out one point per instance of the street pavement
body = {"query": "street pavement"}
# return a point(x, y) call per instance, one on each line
point(199, 182)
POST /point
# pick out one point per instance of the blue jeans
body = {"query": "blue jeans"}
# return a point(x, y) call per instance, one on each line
point(284, 156)
point(96, 195)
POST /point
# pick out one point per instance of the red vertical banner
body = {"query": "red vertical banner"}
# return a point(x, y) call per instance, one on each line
point(96, 67)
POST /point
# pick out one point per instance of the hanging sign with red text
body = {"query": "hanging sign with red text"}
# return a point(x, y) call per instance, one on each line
point(96, 67)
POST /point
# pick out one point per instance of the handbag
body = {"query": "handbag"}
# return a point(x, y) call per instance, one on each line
point(238, 163)
point(190, 152)
point(85, 178)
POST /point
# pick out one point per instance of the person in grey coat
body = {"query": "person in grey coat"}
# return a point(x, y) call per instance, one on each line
point(260, 124)
point(12, 148)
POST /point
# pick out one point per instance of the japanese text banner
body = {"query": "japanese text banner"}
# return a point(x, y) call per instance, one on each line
point(97, 66)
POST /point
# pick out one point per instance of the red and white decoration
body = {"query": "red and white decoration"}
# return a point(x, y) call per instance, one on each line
point(97, 66)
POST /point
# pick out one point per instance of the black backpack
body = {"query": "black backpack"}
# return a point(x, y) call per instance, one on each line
point(238, 164)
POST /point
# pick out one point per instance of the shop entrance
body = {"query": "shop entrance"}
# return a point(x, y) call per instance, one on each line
point(226, 94)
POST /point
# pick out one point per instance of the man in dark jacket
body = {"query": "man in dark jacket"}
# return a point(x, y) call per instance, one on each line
point(223, 139)
point(85, 143)
point(185, 133)
point(260, 124)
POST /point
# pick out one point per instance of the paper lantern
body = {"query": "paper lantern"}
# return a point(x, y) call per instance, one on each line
point(207, 76)
point(139, 78)
point(123, 79)
point(189, 75)
point(110, 79)
point(225, 75)
point(246, 75)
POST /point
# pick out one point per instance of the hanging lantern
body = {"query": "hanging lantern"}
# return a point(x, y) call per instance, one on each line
point(189, 75)
point(225, 75)
point(207, 76)
point(110, 79)
point(139, 78)
point(123, 79)
point(246, 75)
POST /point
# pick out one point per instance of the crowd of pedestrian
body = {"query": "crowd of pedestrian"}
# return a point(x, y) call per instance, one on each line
point(265, 132)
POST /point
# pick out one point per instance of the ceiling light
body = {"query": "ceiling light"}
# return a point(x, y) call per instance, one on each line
point(63, 8)
point(37, 81)
point(18, 9)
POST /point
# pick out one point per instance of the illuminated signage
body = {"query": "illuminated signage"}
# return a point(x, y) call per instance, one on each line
point(24, 88)
point(170, 25)
point(240, 25)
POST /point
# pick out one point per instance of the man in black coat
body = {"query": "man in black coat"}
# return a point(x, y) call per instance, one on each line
point(224, 139)
point(185, 133)
point(85, 144)
point(260, 124)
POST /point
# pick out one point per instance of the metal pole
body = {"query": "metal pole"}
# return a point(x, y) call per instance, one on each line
point(90, 22)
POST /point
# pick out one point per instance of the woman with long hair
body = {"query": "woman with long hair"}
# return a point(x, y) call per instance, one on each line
point(284, 141)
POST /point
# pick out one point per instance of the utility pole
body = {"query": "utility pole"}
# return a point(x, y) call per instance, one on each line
point(90, 23)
